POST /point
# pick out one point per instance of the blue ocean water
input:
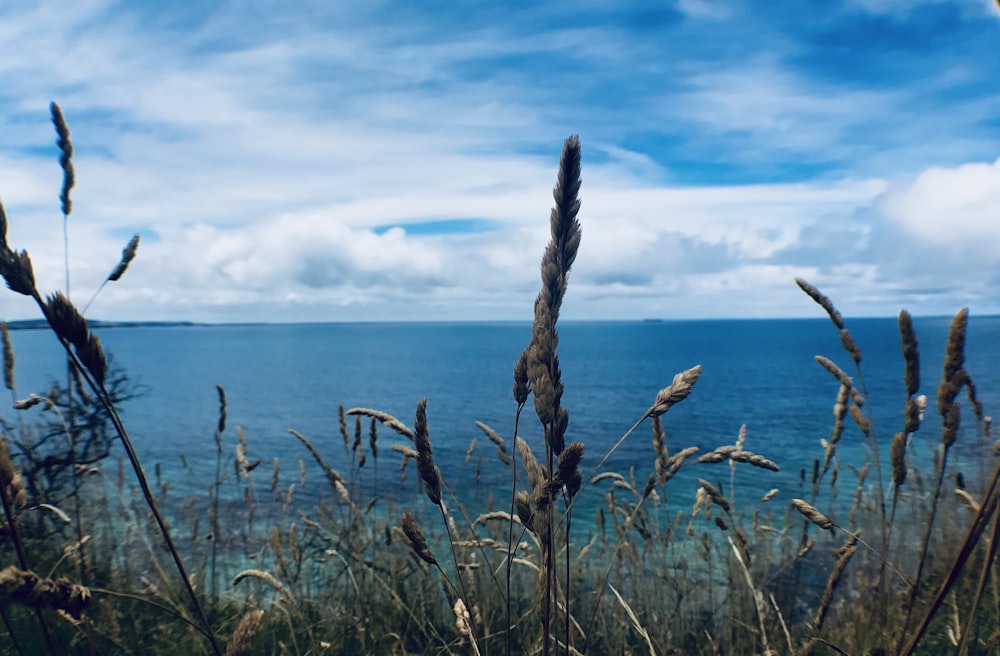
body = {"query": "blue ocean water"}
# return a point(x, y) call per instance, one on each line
point(278, 377)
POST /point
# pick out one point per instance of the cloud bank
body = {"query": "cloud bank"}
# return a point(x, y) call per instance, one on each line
point(301, 162)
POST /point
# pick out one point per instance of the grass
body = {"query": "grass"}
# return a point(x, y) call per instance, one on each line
point(861, 562)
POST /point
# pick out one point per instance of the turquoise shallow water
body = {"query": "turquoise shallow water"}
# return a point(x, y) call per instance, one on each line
point(278, 377)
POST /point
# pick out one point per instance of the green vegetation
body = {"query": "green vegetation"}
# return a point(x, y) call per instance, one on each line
point(89, 564)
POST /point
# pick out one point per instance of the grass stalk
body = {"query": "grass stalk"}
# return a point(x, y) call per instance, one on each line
point(982, 518)
point(984, 578)
point(7, 474)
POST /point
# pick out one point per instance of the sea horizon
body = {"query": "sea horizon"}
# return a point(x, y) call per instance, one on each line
point(96, 323)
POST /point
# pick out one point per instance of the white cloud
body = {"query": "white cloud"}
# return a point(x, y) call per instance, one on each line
point(955, 208)
point(705, 9)
point(903, 7)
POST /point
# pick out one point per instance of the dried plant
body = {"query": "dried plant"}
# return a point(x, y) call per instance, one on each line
point(241, 643)
point(128, 254)
point(30, 589)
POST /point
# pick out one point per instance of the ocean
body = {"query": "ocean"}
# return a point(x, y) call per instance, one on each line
point(278, 377)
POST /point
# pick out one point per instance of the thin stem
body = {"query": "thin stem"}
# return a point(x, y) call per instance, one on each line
point(984, 576)
point(567, 595)
point(154, 604)
point(873, 443)
point(925, 543)
point(510, 530)
point(215, 517)
point(548, 559)
point(77, 511)
point(92, 298)
point(66, 250)
point(10, 630)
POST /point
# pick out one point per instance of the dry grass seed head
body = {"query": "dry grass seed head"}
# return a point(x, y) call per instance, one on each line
point(331, 474)
point(678, 390)
point(8, 357)
point(911, 353)
point(342, 424)
point(30, 589)
point(10, 477)
point(429, 473)
point(850, 346)
point(897, 456)
point(968, 499)
point(462, 619)
point(860, 419)
point(416, 539)
point(492, 435)
point(385, 418)
point(836, 371)
point(813, 515)
point(714, 494)
point(267, 578)
point(405, 451)
point(4, 248)
point(128, 254)
point(675, 462)
point(522, 504)
point(843, 555)
point(30, 402)
point(542, 362)
point(356, 444)
point(241, 643)
point(496, 439)
point(755, 460)
point(603, 476)
point(65, 144)
point(659, 437)
point(823, 301)
point(650, 486)
point(949, 430)
point(373, 437)
point(93, 359)
point(522, 385)
point(64, 318)
point(536, 473)
point(221, 428)
point(69, 324)
point(16, 269)
point(912, 415)
point(568, 468)
point(954, 362)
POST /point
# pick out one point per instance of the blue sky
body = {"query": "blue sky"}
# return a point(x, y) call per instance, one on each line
point(315, 161)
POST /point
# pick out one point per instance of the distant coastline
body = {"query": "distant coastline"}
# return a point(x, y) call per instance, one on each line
point(42, 324)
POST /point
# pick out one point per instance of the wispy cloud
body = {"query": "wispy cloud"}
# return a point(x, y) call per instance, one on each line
point(384, 160)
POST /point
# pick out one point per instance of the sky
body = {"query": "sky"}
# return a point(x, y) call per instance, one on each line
point(389, 160)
